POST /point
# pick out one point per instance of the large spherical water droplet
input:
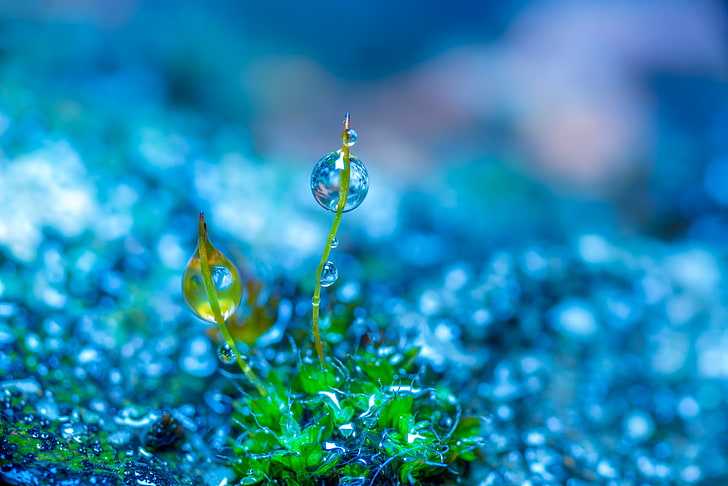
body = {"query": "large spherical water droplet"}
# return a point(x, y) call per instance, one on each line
point(326, 177)
point(334, 243)
point(329, 275)
point(226, 354)
point(225, 279)
point(349, 136)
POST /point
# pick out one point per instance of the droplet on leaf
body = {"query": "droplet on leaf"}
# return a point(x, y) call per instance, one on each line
point(326, 179)
point(334, 243)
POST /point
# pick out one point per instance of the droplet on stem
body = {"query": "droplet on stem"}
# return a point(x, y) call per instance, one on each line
point(334, 243)
point(329, 275)
point(326, 180)
point(225, 279)
point(226, 354)
point(349, 136)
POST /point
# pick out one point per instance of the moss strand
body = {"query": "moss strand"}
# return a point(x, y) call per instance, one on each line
point(341, 203)
point(215, 306)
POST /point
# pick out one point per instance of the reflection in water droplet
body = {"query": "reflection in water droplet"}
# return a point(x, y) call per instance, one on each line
point(329, 275)
point(225, 279)
point(326, 176)
point(349, 136)
point(334, 243)
point(226, 353)
point(221, 278)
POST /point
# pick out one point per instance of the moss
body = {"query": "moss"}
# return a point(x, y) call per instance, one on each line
point(38, 450)
point(366, 419)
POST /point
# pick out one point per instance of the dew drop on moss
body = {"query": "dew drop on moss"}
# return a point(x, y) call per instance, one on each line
point(349, 136)
point(329, 275)
point(225, 279)
point(226, 353)
point(347, 430)
point(325, 181)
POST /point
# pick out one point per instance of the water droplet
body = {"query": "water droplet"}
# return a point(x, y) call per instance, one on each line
point(226, 353)
point(574, 316)
point(225, 279)
point(347, 430)
point(334, 243)
point(349, 136)
point(221, 278)
point(329, 275)
point(333, 446)
point(75, 432)
point(120, 437)
point(325, 181)
point(639, 425)
point(47, 407)
point(691, 474)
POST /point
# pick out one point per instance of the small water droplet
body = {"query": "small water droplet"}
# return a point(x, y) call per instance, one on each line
point(333, 446)
point(326, 176)
point(226, 353)
point(329, 275)
point(334, 243)
point(120, 437)
point(349, 136)
point(74, 432)
point(347, 430)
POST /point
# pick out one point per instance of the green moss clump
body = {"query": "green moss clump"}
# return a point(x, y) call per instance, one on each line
point(367, 420)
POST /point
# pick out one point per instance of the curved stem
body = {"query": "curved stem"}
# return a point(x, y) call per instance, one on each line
point(341, 203)
point(215, 306)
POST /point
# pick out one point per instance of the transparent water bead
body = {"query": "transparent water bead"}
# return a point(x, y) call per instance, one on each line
point(349, 137)
point(329, 275)
point(225, 280)
point(334, 243)
point(226, 354)
point(326, 177)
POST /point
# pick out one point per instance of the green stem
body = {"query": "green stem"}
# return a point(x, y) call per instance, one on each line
point(341, 203)
point(215, 306)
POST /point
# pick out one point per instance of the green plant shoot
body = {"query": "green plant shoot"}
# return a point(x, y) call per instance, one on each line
point(212, 288)
point(343, 190)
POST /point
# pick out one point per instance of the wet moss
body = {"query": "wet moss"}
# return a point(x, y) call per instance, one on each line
point(367, 419)
point(35, 450)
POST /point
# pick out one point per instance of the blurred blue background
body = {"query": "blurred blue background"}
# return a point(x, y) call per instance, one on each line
point(620, 106)
point(547, 214)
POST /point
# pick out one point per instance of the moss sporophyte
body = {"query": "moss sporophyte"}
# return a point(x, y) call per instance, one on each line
point(212, 289)
point(362, 418)
point(335, 189)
